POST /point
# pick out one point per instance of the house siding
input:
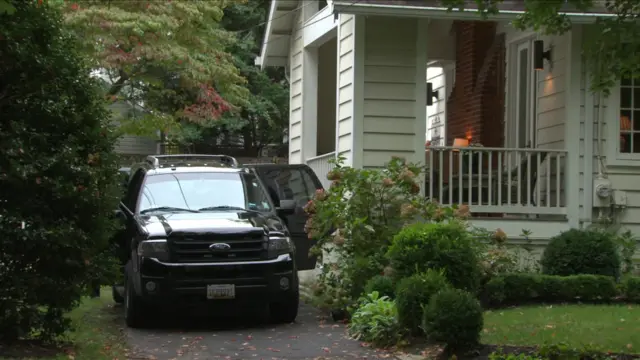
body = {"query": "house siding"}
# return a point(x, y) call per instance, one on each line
point(623, 178)
point(136, 145)
point(389, 90)
point(346, 87)
point(295, 92)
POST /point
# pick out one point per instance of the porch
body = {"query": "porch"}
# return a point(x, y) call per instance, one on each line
point(367, 94)
point(494, 182)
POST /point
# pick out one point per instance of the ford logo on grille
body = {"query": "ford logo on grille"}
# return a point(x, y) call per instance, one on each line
point(219, 247)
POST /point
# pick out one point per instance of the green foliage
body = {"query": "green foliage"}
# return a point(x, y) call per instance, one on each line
point(611, 47)
point(355, 234)
point(166, 59)
point(576, 252)
point(631, 288)
point(382, 284)
point(58, 174)
point(627, 245)
point(264, 118)
point(448, 246)
point(518, 289)
point(413, 293)
point(500, 355)
point(453, 317)
point(376, 321)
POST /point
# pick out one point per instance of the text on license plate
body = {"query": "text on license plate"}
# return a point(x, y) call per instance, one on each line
point(224, 291)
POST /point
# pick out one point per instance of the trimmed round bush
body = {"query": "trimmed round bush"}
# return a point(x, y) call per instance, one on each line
point(577, 252)
point(453, 317)
point(449, 246)
point(415, 291)
point(382, 284)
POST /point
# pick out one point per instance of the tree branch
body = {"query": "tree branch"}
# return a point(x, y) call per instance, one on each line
point(119, 84)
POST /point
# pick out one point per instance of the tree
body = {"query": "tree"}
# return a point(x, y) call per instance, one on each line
point(143, 45)
point(58, 173)
point(265, 117)
point(611, 46)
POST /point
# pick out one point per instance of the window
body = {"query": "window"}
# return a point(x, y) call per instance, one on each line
point(629, 116)
point(199, 190)
point(291, 184)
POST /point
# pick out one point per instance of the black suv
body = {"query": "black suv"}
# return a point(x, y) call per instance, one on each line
point(200, 230)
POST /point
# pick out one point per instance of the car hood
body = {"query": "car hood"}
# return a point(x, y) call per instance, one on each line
point(218, 222)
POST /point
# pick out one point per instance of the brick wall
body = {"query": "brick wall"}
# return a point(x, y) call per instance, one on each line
point(476, 104)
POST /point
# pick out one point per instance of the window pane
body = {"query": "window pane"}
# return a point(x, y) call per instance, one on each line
point(625, 98)
point(630, 116)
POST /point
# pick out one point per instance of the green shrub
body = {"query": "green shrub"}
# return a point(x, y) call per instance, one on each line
point(512, 289)
point(376, 321)
point(415, 291)
point(59, 176)
point(447, 246)
point(382, 284)
point(631, 288)
point(577, 252)
point(454, 317)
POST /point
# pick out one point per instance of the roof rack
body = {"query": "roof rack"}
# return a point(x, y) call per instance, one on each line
point(185, 159)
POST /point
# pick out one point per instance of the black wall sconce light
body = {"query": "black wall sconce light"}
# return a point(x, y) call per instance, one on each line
point(431, 94)
point(539, 55)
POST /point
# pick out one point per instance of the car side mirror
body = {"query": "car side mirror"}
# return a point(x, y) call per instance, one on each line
point(120, 215)
point(287, 206)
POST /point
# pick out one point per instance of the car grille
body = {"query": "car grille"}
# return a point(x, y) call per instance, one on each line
point(196, 248)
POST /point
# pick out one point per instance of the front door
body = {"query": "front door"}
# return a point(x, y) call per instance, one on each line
point(297, 183)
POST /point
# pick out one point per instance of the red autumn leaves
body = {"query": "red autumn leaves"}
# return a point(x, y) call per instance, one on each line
point(209, 105)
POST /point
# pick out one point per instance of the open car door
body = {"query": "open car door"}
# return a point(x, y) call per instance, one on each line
point(298, 183)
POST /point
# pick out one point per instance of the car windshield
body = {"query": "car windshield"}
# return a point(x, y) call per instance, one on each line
point(207, 191)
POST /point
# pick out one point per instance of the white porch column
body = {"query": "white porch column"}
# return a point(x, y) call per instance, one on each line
point(388, 107)
point(420, 121)
point(309, 102)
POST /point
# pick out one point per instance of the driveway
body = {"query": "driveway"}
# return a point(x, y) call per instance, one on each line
point(312, 337)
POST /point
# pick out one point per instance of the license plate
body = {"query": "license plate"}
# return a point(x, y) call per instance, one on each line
point(225, 291)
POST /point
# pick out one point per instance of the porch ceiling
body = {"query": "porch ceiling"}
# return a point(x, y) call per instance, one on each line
point(508, 9)
point(275, 45)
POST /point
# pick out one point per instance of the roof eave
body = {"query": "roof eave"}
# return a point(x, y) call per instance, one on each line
point(444, 13)
point(260, 60)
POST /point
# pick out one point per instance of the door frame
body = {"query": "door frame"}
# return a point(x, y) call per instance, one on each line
point(512, 124)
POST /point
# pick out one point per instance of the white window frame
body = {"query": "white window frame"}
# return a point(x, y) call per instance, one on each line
point(511, 119)
point(611, 131)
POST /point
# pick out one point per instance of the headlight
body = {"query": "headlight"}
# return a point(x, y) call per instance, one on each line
point(154, 249)
point(280, 245)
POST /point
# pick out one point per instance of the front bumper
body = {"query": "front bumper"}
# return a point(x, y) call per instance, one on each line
point(186, 283)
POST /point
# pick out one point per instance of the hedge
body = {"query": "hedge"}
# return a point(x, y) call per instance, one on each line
point(518, 289)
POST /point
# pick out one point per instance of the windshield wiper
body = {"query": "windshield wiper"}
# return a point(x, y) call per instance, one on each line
point(167, 208)
point(225, 207)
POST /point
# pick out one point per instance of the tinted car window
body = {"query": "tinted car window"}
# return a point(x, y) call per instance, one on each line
point(200, 190)
point(291, 184)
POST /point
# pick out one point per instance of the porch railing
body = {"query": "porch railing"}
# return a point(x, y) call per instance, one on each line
point(498, 180)
point(321, 166)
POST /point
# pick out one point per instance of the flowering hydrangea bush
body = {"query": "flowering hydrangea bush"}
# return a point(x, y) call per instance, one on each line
point(355, 220)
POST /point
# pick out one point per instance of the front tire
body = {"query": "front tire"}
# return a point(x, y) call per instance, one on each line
point(135, 313)
point(285, 312)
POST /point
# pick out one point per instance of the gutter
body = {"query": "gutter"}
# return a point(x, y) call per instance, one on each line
point(267, 34)
point(444, 13)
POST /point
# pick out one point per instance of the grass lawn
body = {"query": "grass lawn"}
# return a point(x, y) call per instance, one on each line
point(97, 335)
point(614, 328)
